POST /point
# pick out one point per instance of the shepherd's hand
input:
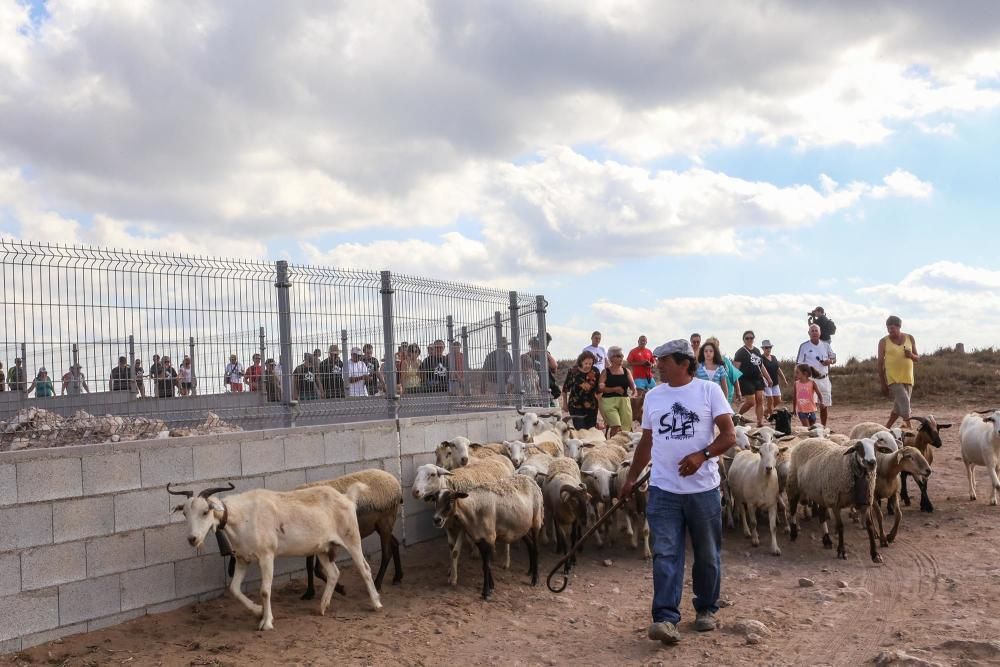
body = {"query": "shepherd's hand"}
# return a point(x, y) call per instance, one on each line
point(689, 464)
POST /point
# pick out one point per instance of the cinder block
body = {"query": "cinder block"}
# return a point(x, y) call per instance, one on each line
point(342, 446)
point(89, 599)
point(37, 638)
point(408, 470)
point(171, 605)
point(420, 528)
point(141, 509)
point(413, 505)
point(86, 517)
point(167, 544)
point(8, 484)
point(391, 465)
point(168, 464)
point(199, 575)
point(28, 613)
point(217, 461)
point(304, 451)
point(285, 481)
point(380, 442)
point(53, 565)
point(358, 465)
point(48, 479)
point(324, 472)
point(10, 646)
point(151, 585)
point(116, 553)
point(115, 619)
point(10, 573)
point(25, 526)
point(477, 430)
point(411, 438)
point(261, 456)
point(111, 473)
point(439, 431)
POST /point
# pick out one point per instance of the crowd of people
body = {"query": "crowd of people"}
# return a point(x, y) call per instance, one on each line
point(608, 383)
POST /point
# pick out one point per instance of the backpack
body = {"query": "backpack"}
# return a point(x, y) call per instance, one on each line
point(828, 328)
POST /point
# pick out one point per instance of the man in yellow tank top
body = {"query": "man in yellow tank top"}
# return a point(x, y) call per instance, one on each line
point(896, 354)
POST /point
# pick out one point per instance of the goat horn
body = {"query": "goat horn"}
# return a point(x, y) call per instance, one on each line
point(209, 492)
point(984, 412)
point(185, 493)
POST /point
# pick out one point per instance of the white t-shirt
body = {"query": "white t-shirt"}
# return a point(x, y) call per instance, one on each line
point(234, 371)
point(813, 354)
point(598, 352)
point(356, 369)
point(682, 420)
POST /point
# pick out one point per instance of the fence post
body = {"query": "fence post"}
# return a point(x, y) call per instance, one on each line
point(543, 341)
point(450, 325)
point(465, 362)
point(261, 394)
point(131, 363)
point(501, 380)
point(194, 367)
point(284, 331)
point(389, 364)
point(73, 370)
point(344, 356)
point(515, 351)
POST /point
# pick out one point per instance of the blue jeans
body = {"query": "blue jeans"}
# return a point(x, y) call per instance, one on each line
point(669, 516)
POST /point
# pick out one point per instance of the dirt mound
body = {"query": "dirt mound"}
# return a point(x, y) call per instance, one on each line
point(38, 428)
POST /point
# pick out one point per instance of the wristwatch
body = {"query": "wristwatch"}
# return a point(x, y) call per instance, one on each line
point(707, 454)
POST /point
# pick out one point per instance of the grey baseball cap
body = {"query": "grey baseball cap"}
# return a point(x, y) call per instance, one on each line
point(681, 345)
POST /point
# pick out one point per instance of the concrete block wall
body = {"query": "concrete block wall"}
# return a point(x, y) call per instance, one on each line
point(87, 537)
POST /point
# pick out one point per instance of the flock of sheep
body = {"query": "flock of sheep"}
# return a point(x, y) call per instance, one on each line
point(553, 482)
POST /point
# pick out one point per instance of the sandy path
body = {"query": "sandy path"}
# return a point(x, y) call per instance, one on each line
point(936, 597)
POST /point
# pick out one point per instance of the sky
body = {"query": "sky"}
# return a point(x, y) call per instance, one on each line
point(652, 168)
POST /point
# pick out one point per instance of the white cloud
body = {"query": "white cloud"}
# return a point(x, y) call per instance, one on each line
point(902, 183)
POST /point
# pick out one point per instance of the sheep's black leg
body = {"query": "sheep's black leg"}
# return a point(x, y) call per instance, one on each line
point(841, 550)
point(396, 563)
point(533, 557)
point(384, 538)
point(310, 582)
point(876, 556)
point(232, 566)
point(485, 552)
point(925, 501)
point(903, 493)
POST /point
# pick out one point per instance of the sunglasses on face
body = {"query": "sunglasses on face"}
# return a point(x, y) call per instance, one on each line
point(748, 338)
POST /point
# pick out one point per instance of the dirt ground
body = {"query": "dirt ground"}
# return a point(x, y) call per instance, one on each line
point(936, 598)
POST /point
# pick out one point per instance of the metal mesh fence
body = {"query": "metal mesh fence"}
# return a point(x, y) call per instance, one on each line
point(162, 341)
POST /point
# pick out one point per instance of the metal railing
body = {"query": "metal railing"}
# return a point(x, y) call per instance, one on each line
point(172, 337)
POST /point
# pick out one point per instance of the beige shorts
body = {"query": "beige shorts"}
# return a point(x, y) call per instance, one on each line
point(617, 411)
point(901, 399)
point(825, 390)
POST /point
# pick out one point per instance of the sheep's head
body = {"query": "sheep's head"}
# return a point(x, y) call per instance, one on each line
point(912, 461)
point(429, 480)
point(782, 420)
point(862, 454)
point(203, 512)
point(445, 503)
point(929, 428)
point(572, 447)
point(515, 451)
point(528, 424)
point(599, 481)
point(886, 442)
point(575, 497)
point(994, 421)
point(453, 453)
point(864, 450)
point(768, 452)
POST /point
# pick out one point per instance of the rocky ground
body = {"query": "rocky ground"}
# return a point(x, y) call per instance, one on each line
point(934, 602)
point(36, 428)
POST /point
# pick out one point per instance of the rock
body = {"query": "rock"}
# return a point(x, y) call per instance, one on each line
point(753, 638)
point(841, 584)
point(746, 626)
point(608, 562)
point(162, 435)
point(616, 590)
point(901, 658)
point(116, 438)
point(806, 583)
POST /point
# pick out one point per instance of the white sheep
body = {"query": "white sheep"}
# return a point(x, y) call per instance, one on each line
point(566, 501)
point(599, 469)
point(506, 510)
point(831, 476)
point(377, 502)
point(634, 509)
point(980, 439)
point(753, 482)
point(517, 451)
point(261, 525)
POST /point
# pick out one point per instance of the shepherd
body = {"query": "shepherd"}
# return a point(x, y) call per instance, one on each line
point(679, 418)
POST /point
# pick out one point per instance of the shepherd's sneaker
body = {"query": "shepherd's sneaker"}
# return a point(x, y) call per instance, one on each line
point(705, 621)
point(665, 632)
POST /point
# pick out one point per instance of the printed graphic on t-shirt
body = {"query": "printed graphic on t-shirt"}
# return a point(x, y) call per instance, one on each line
point(309, 376)
point(441, 370)
point(679, 423)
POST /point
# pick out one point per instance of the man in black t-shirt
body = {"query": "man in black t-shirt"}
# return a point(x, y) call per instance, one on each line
point(305, 381)
point(755, 377)
point(331, 374)
point(121, 377)
point(434, 369)
point(166, 380)
point(373, 381)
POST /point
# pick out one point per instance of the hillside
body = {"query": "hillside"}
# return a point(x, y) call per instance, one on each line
point(942, 375)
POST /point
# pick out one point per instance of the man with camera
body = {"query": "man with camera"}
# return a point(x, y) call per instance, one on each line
point(826, 326)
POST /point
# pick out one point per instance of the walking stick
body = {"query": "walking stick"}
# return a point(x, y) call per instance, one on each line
point(579, 543)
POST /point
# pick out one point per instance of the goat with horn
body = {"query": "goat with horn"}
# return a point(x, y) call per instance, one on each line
point(261, 525)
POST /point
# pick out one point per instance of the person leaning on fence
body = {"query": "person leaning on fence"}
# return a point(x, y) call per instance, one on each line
point(679, 419)
point(253, 373)
point(138, 375)
point(42, 384)
point(122, 378)
point(167, 381)
point(331, 373)
point(409, 371)
point(356, 373)
point(154, 372)
point(374, 381)
point(580, 398)
point(185, 377)
point(456, 367)
point(305, 381)
point(497, 368)
point(74, 382)
point(897, 352)
point(17, 378)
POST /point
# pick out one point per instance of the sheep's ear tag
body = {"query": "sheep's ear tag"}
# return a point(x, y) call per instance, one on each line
point(225, 548)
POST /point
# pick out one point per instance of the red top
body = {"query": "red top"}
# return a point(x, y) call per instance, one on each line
point(636, 358)
point(252, 376)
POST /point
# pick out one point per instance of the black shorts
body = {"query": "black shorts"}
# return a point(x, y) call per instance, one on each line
point(750, 386)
